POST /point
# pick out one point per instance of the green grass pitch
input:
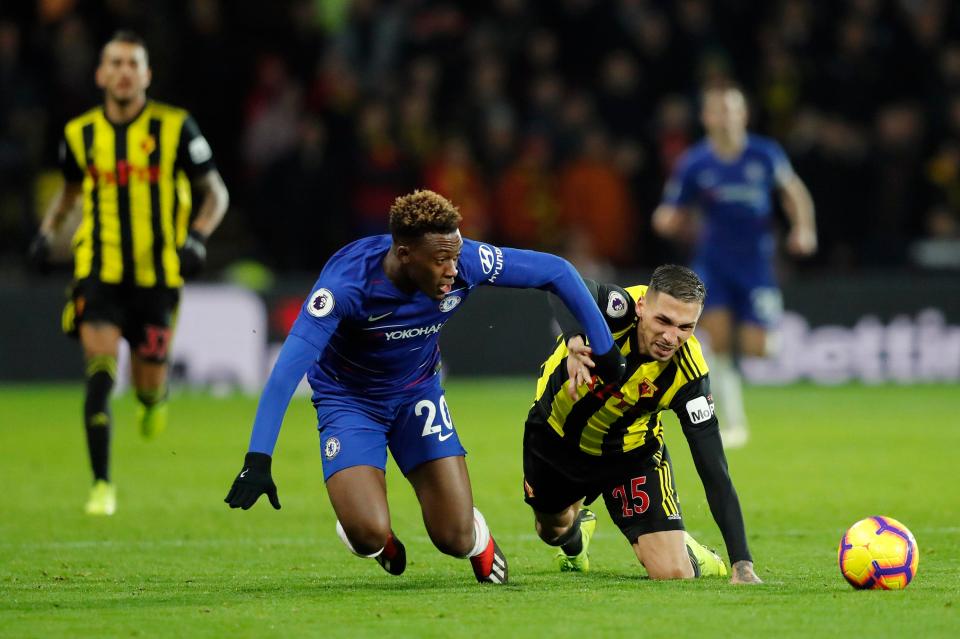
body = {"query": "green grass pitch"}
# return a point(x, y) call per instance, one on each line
point(175, 561)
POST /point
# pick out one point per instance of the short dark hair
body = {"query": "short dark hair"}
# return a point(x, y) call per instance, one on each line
point(414, 215)
point(679, 282)
point(127, 36)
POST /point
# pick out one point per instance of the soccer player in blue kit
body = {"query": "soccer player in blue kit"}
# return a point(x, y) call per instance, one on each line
point(728, 178)
point(367, 336)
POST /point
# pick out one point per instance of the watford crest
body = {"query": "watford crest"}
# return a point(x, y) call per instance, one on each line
point(646, 388)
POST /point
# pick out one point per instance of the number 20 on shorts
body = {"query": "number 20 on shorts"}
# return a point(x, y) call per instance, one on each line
point(429, 428)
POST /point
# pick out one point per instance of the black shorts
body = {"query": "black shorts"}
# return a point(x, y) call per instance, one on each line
point(145, 316)
point(637, 487)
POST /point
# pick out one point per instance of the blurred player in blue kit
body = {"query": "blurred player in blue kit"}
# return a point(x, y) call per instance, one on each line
point(728, 178)
point(367, 337)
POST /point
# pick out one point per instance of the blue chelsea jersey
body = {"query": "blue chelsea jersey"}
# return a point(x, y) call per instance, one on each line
point(357, 334)
point(378, 339)
point(734, 196)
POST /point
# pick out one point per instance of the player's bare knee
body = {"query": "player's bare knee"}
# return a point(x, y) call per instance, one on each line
point(670, 571)
point(661, 566)
point(553, 528)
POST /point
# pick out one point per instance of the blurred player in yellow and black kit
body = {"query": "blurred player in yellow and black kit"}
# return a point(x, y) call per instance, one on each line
point(135, 165)
point(584, 438)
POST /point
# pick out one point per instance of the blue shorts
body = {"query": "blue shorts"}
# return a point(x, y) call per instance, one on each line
point(748, 289)
point(356, 431)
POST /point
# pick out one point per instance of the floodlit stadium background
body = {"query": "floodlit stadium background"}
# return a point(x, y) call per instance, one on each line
point(551, 124)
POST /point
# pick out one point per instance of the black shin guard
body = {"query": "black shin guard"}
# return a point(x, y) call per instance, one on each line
point(101, 371)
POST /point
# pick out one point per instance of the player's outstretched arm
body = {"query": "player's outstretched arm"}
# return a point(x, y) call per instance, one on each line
point(532, 269)
point(742, 573)
point(255, 479)
point(692, 405)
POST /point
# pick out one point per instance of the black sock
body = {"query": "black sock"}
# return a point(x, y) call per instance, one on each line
point(572, 540)
point(101, 370)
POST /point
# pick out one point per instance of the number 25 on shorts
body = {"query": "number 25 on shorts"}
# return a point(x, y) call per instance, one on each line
point(639, 500)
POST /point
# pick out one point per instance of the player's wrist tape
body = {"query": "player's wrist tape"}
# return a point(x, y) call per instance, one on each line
point(258, 461)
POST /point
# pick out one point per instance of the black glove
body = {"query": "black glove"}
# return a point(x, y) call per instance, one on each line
point(193, 254)
point(39, 253)
point(610, 366)
point(253, 481)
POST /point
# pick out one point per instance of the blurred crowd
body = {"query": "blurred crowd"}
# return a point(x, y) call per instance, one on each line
point(552, 124)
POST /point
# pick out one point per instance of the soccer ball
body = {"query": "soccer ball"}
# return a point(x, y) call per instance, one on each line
point(878, 553)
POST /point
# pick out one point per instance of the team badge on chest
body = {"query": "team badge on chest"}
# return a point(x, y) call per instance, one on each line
point(646, 388)
point(449, 303)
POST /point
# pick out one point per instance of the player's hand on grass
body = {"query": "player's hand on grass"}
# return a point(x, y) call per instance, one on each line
point(193, 254)
point(742, 573)
point(38, 254)
point(253, 481)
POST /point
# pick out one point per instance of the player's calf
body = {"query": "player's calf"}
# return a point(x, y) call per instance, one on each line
point(101, 370)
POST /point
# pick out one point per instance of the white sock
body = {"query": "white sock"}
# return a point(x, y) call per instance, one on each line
point(481, 534)
point(342, 534)
point(729, 393)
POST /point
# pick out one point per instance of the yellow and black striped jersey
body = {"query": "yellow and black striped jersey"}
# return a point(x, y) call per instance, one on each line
point(136, 192)
point(607, 420)
point(620, 427)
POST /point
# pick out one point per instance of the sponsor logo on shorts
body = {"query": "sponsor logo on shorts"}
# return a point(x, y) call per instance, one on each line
point(321, 303)
point(616, 304)
point(449, 303)
point(699, 409)
point(332, 448)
